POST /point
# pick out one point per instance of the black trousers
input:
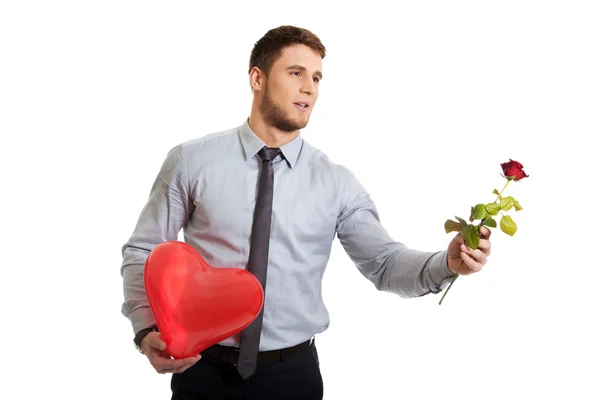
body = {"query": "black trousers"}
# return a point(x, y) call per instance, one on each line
point(296, 377)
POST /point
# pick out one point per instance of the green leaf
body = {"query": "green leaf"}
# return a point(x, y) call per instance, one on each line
point(507, 203)
point(489, 222)
point(507, 225)
point(471, 236)
point(471, 216)
point(452, 226)
point(478, 212)
point(517, 206)
point(498, 193)
point(492, 208)
point(463, 223)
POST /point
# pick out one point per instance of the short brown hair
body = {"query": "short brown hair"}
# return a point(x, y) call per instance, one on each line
point(268, 48)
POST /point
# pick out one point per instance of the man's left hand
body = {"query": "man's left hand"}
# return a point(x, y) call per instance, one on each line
point(473, 260)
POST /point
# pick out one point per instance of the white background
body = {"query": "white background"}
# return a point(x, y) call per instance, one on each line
point(421, 100)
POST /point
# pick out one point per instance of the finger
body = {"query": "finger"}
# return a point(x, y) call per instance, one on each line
point(478, 255)
point(459, 239)
point(485, 232)
point(183, 369)
point(176, 370)
point(162, 364)
point(156, 342)
point(471, 264)
point(165, 364)
point(485, 246)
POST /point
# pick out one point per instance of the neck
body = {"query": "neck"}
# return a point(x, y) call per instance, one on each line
point(269, 134)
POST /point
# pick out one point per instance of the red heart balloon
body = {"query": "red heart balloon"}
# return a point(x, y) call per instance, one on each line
point(194, 304)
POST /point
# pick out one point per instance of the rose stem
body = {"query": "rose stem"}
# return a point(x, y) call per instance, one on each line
point(451, 283)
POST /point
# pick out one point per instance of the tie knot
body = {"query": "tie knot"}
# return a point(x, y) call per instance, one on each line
point(268, 153)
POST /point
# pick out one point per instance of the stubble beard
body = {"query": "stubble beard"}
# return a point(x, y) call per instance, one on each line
point(275, 116)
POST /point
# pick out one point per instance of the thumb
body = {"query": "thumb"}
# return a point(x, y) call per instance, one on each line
point(155, 341)
point(459, 238)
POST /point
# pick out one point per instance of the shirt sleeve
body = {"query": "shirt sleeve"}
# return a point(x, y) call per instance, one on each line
point(162, 218)
point(388, 264)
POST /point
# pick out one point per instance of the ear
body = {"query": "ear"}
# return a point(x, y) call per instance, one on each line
point(257, 79)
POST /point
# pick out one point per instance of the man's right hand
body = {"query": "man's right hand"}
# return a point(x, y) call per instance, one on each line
point(154, 348)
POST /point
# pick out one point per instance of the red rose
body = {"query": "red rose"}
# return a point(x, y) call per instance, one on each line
point(514, 170)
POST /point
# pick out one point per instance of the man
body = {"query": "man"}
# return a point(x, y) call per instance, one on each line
point(260, 197)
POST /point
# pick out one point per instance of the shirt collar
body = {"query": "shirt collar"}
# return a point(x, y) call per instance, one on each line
point(252, 145)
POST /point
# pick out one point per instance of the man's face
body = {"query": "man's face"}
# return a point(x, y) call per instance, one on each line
point(291, 90)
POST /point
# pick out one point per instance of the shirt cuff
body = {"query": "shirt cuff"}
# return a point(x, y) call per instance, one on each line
point(439, 271)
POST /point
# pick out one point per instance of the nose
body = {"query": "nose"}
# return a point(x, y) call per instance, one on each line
point(308, 86)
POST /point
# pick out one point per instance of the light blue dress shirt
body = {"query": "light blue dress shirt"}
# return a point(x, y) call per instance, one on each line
point(208, 188)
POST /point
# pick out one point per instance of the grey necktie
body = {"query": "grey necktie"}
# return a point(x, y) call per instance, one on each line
point(258, 259)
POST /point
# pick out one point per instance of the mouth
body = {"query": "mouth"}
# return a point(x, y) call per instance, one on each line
point(302, 106)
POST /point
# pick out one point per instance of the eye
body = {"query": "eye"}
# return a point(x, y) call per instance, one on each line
point(296, 73)
point(316, 80)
